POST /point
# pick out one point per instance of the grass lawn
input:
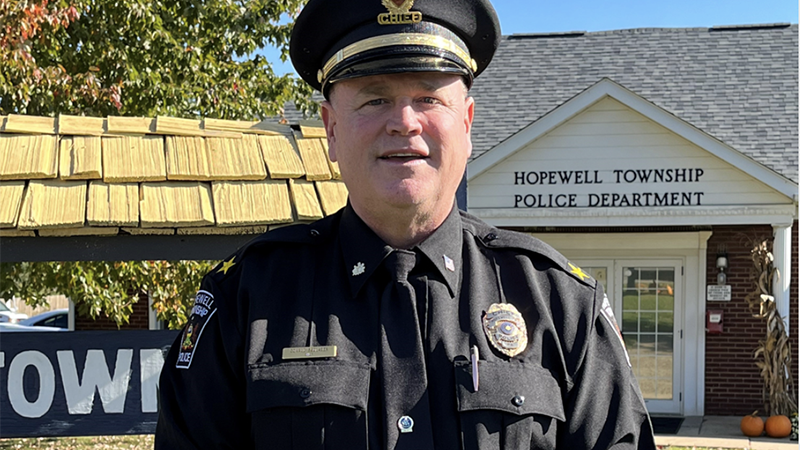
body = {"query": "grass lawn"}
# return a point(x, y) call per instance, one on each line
point(135, 442)
point(695, 448)
point(130, 442)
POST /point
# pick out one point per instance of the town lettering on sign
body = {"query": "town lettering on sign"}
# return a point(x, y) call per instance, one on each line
point(596, 180)
point(80, 383)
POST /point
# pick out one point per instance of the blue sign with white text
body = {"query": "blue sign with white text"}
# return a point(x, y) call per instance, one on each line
point(80, 383)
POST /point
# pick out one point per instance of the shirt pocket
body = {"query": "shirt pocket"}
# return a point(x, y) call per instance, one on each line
point(309, 405)
point(516, 406)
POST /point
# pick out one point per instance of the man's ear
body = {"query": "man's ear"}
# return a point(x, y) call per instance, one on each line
point(469, 114)
point(329, 120)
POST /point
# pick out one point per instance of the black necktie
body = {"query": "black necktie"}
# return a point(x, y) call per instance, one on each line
point(402, 360)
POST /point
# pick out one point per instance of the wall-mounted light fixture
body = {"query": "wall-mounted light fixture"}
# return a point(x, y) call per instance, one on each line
point(722, 264)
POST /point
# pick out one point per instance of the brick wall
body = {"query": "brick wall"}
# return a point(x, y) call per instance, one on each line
point(139, 319)
point(794, 313)
point(733, 383)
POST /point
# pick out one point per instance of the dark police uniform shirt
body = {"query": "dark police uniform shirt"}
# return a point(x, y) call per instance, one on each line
point(225, 384)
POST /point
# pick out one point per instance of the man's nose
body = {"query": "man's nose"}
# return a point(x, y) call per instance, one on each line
point(404, 120)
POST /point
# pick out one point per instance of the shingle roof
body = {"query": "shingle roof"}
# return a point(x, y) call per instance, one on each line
point(738, 84)
point(76, 176)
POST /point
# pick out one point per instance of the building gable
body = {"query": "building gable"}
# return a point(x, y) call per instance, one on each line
point(736, 83)
point(608, 155)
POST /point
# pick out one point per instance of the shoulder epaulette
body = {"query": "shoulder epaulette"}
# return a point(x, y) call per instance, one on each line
point(493, 237)
point(305, 233)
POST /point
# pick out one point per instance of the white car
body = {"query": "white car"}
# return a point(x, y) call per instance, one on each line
point(55, 320)
point(9, 316)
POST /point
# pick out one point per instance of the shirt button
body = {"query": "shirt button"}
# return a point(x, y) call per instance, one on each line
point(490, 237)
point(305, 393)
point(313, 233)
point(518, 400)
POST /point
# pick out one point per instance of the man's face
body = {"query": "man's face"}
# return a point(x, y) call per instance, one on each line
point(401, 140)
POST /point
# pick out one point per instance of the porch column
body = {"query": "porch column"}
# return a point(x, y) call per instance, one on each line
point(782, 251)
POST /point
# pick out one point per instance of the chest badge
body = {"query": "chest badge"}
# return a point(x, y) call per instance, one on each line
point(505, 329)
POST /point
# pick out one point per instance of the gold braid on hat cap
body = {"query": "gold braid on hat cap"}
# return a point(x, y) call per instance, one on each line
point(390, 40)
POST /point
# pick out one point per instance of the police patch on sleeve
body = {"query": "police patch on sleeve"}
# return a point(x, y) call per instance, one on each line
point(608, 313)
point(204, 308)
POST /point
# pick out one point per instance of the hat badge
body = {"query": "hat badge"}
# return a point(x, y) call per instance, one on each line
point(398, 6)
point(505, 328)
point(399, 13)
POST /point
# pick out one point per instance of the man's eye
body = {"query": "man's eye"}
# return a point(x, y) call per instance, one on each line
point(375, 102)
point(430, 100)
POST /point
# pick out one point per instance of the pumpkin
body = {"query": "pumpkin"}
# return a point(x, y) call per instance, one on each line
point(752, 425)
point(779, 426)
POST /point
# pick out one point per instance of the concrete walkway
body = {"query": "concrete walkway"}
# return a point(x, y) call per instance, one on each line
point(720, 432)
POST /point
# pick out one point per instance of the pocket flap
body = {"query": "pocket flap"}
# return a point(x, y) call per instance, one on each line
point(512, 387)
point(305, 383)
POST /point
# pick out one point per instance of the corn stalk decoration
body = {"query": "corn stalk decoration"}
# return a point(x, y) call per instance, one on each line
point(774, 353)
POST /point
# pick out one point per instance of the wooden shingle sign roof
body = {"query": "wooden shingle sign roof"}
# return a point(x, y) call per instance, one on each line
point(79, 176)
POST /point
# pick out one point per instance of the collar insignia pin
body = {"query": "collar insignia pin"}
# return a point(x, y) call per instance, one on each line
point(449, 264)
point(358, 269)
point(578, 271)
point(505, 328)
point(227, 265)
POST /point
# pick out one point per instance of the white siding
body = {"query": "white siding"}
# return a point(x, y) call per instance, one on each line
point(607, 137)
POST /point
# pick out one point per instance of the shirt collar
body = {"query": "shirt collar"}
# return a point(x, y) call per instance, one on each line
point(443, 249)
point(364, 251)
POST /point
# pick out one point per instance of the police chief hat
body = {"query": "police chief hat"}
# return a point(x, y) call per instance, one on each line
point(334, 40)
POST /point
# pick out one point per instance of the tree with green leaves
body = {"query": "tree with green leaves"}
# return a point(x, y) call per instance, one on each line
point(181, 58)
point(102, 288)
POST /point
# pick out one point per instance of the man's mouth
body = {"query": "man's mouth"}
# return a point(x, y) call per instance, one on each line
point(404, 156)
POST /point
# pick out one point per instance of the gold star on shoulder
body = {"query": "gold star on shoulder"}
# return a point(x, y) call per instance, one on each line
point(227, 265)
point(578, 271)
point(359, 268)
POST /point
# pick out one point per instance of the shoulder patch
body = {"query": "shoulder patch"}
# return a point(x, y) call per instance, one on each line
point(608, 313)
point(204, 308)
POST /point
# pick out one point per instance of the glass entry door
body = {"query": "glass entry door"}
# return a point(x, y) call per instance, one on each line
point(646, 295)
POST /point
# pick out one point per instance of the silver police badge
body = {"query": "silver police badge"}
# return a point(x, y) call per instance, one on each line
point(505, 329)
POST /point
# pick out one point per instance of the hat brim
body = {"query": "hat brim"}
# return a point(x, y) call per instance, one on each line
point(399, 63)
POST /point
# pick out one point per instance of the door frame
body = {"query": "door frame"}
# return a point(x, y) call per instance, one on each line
point(690, 247)
point(655, 406)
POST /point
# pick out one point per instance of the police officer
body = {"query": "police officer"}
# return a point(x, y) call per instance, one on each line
point(399, 322)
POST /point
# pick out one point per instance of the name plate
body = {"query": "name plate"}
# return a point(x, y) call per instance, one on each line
point(327, 351)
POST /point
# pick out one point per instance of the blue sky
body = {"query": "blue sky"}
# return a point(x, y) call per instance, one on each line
point(529, 16)
point(540, 16)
